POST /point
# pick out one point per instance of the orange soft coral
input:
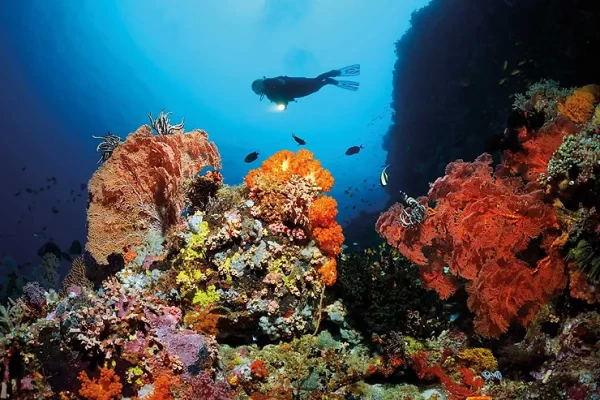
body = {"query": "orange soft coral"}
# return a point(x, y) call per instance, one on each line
point(162, 389)
point(323, 212)
point(282, 165)
point(329, 239)
point(579, 107)
point(328, 272)
point(107, 387)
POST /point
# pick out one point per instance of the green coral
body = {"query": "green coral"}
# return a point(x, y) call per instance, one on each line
point(204, 298)
point(577, 158)
point(195, 248)
point(542, 97)
point(587, 258)
point(596, 117)
point(190, 275)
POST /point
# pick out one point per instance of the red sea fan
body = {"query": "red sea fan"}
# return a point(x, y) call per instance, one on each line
point(537, 150)
point(141, 187)
point(477, 232)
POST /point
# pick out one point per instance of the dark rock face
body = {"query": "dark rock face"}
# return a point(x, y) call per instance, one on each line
point(458, 66)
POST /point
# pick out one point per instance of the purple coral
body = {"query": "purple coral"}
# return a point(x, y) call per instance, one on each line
point(34, 295)
point(204, 387)
point(187, 345)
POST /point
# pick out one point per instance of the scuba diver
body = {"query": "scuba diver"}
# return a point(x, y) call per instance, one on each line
point(284, 89)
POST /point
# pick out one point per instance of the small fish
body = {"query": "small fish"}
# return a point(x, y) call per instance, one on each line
point(44, 228)
point(465, 81)
point(383, 179)
point(504, 65)
point(354, 150)
point(502, 81)
point(515, 72)
point(82, 186)
point(454, 317)
point(17, 194)
point(521, 63)
point(298, 140)
point(54, 210)
point(39, 235)
point(251, 157)
point(28, 190)
point(41, 189)
point(23, 169)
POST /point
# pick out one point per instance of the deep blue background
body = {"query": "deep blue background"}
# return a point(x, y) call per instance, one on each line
point(73, 69)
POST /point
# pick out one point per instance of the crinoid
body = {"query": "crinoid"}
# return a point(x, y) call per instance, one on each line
point(162, 124)
point(108, 144)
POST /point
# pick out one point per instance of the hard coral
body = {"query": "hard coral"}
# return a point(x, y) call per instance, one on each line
point(460, 239)
point(107, 387)
point(141, 187)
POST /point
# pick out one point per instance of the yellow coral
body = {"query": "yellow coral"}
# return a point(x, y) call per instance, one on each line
point(479, 359)
point(579, 107)
point(204, 298)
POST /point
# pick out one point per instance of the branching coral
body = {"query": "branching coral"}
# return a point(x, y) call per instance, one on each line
point(460, 240)
point(141, 187)
point(76, 278)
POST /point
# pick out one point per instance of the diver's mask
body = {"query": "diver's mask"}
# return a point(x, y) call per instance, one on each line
point(258, 87)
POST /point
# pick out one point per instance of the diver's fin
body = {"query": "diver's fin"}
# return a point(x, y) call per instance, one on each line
point(348, 85)
point(350, 70)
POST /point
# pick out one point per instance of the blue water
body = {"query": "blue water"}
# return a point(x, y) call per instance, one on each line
point(73, 69)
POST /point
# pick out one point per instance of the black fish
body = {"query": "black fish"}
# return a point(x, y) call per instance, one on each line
point(251, 157)
point(298, 140)
point(44, 228)
point(17, 194)
point(41, 189)
point(75, 247)
point(50, 247)
point(354, 150)
point(23, 169)
point(54, 210)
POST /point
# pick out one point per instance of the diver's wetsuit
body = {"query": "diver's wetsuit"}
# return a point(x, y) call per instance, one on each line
point(284, 89)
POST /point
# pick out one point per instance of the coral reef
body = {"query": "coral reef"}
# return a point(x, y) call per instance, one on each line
point(194, 289)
